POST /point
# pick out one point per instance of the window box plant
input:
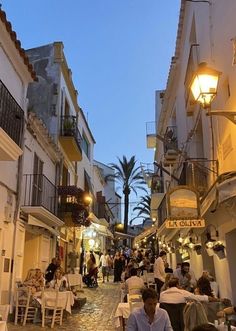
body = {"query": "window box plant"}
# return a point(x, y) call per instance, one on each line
point(219, 250)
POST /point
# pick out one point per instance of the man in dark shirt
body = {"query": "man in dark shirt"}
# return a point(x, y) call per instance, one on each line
point(50, 271)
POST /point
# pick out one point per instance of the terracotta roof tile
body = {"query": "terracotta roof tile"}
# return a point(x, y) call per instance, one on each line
point(17, 43)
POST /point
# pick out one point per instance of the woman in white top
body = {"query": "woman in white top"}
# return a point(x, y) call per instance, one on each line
point(59, 282)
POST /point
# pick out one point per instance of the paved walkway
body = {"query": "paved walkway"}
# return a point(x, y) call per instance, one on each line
point(96, 314)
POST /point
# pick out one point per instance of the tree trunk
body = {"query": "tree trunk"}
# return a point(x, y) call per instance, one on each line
point(126, 214)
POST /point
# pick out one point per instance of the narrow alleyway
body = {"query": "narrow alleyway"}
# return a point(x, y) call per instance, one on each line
point(96, 314)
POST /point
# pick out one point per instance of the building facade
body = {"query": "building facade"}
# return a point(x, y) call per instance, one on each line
point(195, 148)
point(15, 75)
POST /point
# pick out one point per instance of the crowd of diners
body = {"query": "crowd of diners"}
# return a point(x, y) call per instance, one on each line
point(36, 281)
point(199, 298)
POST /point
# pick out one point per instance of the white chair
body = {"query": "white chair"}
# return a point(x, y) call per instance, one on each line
point(74, 281)
point(24, 311)
point(133, 305)
point(150, 279)
point(52, 304)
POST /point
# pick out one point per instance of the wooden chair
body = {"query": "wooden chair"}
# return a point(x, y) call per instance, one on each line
point(75, 281)
point(52, 308)
point(24, 311)
point(150, 280)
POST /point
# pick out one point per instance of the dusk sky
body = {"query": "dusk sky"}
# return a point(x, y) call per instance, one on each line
point(119, 52)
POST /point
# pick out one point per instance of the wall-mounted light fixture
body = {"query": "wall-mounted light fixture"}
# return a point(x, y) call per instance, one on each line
point(210, 242)
point(204, 86)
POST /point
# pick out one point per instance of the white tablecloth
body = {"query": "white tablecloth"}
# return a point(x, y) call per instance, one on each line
point(121, 311)
point(66, 299)
point(3, 326)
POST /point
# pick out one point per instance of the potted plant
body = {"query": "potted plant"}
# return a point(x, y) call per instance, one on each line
point(68, 126)
point(219, 250)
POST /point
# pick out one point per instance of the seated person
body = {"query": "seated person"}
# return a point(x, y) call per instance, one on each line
point(134, 284)
point(149, 317)
point(186, 277)
point(165, 286)
point(174, 294)
point(59, 282)
point(204, 287)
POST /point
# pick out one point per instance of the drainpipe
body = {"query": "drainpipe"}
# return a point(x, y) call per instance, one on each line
point(15, 219)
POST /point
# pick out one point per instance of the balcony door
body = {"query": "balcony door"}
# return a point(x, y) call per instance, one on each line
point(37, 189)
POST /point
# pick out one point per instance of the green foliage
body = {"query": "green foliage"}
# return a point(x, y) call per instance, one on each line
point(131, 180)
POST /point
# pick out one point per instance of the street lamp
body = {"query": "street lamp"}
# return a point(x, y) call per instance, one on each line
point(204, 89)
point(204, 85)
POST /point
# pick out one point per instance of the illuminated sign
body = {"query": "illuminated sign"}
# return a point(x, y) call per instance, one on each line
point(176, 224)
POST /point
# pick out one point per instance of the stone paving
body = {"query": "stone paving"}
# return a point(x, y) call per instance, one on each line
point(96, 314)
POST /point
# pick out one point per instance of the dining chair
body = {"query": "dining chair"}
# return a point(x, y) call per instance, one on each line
point(23, 310)
point(150, 279)
point(52, 308)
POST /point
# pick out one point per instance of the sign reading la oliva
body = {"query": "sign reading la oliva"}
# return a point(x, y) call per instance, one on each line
point(175, 224)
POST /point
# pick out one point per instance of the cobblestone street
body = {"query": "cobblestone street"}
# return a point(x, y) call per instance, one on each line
point(96, 314)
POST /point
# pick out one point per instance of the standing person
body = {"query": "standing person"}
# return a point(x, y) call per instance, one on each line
point(159, 271)
point(104, 264)
point(149, 317)
point(186, 277)
point(109, 264)
point(50, 271)
point(118, 266)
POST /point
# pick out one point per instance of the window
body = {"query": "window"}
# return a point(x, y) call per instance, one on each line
point(86, 146)
point(37, 181)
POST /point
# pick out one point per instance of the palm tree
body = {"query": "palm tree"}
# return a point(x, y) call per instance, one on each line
point(131, 179)
point(144, 208)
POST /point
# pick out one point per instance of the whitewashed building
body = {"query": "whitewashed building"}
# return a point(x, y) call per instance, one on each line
point(195, 147)
point(15, 74)
point(54, 100)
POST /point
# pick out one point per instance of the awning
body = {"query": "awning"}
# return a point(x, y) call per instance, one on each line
point(156, 199)
point(227, 189)
point(34, 221)
point(123, 235)
point(145, 234)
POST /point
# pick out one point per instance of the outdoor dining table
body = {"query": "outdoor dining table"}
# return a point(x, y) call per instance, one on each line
point(65, 298)
point(122, 312)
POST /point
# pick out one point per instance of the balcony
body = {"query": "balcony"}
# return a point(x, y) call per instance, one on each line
point(72, 206)
point(199, 174)
point(151, 134)
point(11, 126)
point(40, 199)
point(70, 138)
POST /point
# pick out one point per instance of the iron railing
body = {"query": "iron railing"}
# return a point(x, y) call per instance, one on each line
point(170, 138)
point(69, 128)
point(199, 174)
point(11, 115)
point(39, 191)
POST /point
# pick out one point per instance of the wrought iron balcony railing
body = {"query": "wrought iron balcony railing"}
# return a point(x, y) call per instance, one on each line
point(11, 115)
point(40, 192)
point(69, 128)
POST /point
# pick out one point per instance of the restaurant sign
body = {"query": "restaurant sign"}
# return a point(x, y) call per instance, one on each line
point(190, 223)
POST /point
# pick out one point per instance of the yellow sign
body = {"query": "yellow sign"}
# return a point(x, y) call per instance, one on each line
point(176, 224)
